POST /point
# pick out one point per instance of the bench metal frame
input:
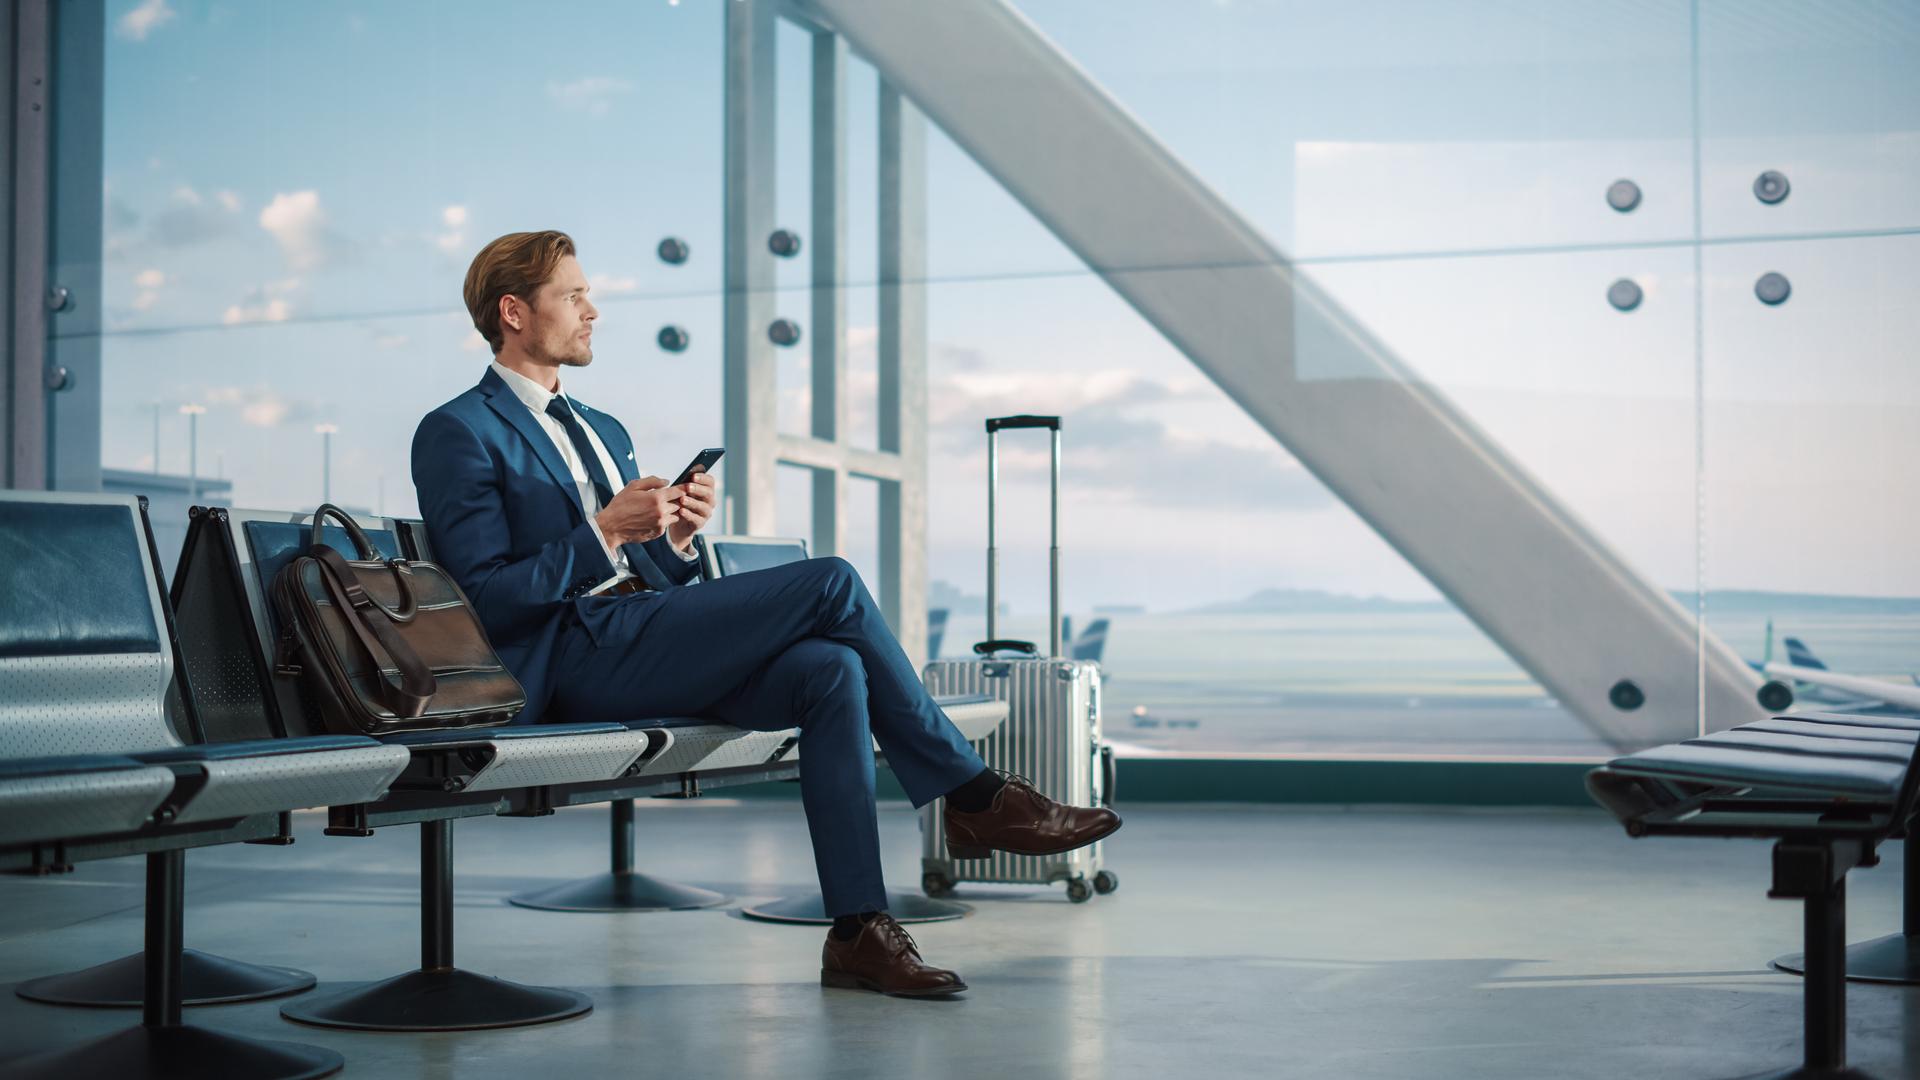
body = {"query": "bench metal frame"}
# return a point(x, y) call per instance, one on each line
point(1818, 837)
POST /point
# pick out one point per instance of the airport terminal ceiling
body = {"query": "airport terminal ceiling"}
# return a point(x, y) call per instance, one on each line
point(1649, 264)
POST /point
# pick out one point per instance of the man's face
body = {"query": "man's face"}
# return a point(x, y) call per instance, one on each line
point(560, 322)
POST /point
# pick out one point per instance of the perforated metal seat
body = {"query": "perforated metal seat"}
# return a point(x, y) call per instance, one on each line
point(86, 666)
point(94, 763)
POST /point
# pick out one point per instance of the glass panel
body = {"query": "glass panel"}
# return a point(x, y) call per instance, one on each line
point(254, 269)
point(1811, 446)
point(1380, 126)
point(1826, 95)
point(1248, 609)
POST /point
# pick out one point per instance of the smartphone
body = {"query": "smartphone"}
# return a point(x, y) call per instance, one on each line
point(702, 462)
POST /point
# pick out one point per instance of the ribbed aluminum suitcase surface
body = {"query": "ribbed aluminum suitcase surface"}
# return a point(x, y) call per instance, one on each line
point(1051, 736)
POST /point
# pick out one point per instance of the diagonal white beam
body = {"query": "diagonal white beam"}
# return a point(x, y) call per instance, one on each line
point(1500, 546)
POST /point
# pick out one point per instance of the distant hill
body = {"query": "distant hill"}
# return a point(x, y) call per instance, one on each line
point(1727, 602)
point(1314, 601)
point(1756, 602)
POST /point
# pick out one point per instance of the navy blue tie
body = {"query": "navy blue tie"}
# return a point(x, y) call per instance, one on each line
point(557, 408)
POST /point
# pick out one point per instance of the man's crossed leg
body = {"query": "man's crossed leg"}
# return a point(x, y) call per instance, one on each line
point(805, 645)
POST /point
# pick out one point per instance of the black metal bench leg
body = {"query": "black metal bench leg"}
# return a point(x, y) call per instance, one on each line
point(439, 996)
point(624, 889)
point(1826, 990)
point(162, 1046)
point(1896, 957)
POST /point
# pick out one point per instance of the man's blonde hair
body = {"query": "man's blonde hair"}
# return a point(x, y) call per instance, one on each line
point(517, 264)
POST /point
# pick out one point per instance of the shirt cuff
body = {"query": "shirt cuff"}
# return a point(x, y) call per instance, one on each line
point(689, 555)
point(613, 557)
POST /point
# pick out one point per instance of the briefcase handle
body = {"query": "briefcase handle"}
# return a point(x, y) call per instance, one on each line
point(364, 549)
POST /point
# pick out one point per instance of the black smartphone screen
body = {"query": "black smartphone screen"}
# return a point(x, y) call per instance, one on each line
point(702, 462)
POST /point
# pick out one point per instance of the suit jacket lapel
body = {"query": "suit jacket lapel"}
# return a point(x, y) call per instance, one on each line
point(612, 438)
point(520, 418)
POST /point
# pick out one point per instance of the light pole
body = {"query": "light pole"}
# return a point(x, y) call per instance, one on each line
point(326, 432)
point(192, 413)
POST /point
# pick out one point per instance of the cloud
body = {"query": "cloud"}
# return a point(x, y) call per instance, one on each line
point(264, 304)
point(275, 310)
point(391, 341)
point(259, 406)
point(608, 285)
point(593, 94)
point(1120, 447)
point(229, 201)
point(150, 279)
point(454, 240)
point(298, 224)
point(188, 220)
point(149, 16)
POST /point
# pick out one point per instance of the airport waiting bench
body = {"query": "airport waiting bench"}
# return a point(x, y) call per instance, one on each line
point(229, 633)
point(703, 749)
point(94, 765)
point(1827, 788)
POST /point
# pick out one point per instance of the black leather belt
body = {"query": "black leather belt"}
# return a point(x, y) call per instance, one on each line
point(631, 585)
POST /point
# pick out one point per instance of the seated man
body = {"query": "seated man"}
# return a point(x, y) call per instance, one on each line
point(575, 564)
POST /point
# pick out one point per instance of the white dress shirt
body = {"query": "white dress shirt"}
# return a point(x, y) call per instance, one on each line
point(535, 397)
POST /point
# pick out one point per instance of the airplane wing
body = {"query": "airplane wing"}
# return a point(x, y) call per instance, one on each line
point(1884, 693)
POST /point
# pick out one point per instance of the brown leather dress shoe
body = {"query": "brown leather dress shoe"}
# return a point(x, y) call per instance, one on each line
point(1025, 822)
point(883, 957)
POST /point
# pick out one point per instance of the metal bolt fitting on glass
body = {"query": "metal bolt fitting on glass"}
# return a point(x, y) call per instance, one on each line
point(1623, 195)
point(784, 332)
point(1625, 294)
point(59, 298)
point(674, 338)
point(673, 251)
point(1772, 288)
point(784, 243)
point(1771, 187)
point(1626, 695)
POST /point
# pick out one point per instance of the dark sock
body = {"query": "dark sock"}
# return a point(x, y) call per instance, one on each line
point(847, 927)
point(976, 794)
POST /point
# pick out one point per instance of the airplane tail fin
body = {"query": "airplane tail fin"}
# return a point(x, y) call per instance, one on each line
point(1092, 644)
point(1800, 656)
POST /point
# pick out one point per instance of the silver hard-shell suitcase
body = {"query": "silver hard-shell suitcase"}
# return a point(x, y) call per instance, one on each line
point(1052, 732)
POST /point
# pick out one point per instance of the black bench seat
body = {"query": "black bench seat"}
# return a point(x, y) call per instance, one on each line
point(1827, 788)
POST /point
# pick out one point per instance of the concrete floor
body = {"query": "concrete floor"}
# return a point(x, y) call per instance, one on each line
point(1244, 941)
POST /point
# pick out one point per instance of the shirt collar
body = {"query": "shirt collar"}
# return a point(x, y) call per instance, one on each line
point(531, 394)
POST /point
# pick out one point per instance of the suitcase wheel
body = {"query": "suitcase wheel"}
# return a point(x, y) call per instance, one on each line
point(936, 884)
point(1079, 891)
point(1105, 882)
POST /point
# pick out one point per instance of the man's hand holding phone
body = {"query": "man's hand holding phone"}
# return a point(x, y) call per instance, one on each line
point(640, 511)
point(698, 498)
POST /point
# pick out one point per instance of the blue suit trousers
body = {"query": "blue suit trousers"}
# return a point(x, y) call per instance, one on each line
point(801, 645)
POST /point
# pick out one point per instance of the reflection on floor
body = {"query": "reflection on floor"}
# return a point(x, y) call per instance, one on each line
point(1287, 941)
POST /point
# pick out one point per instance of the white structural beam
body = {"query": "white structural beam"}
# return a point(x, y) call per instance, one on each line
point(829, 245)
point(750, 420)
point(903, 367)
point(1499, 545)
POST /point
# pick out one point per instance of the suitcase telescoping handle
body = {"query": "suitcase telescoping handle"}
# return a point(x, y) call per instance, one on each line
point(996, 425)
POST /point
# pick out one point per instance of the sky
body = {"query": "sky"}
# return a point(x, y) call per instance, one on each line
point(294, 191)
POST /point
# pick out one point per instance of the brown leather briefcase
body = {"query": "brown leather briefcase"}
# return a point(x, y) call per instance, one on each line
point(386, 645)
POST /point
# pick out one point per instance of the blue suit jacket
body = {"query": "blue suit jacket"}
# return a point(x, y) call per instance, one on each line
point(504, 518)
